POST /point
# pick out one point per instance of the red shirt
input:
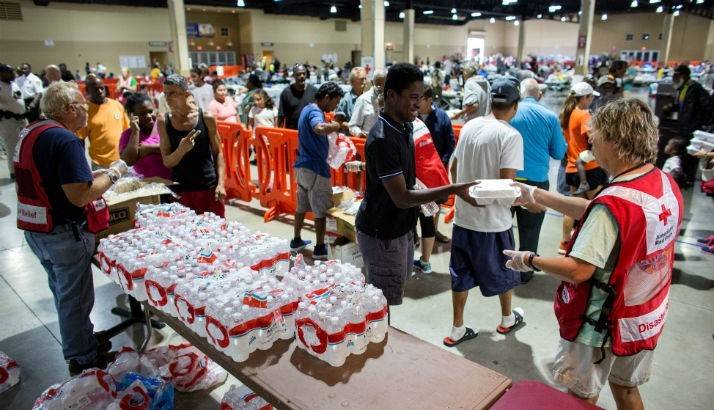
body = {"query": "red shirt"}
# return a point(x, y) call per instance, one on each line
point(429, 168)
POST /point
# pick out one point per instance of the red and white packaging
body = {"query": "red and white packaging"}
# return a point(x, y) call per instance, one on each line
point(9, 372)
point(186, 367)
point(93, 389)
point(243, 398)
point(340, 150)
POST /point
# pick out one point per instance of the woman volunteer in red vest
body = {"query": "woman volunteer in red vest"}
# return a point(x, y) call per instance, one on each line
point(613, 301)
point(60, 207)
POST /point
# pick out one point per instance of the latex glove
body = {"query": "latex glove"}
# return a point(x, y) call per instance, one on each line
point(526, 194)
point(120, 167)
point(519, 260)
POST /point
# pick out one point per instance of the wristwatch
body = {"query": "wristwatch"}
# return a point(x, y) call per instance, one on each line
point(530, 262)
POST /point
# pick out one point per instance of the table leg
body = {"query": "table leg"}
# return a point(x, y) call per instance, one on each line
point(148, 325)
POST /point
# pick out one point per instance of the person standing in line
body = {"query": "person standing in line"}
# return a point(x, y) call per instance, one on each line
point(139, 145)
point(12, 108)
point(222, 107)
point(262, 114)
point(201, 90)
point(31, 88)
point(387, 216)
point(575, 122)
point(191, 148)
point(541, 133)
point(476, 100)
point(311, 169)
point(442, 134)
point(53, 74)
point(489, 148)
point(66, 74)
point(612, 303)
point(367, 107)
point(246, 103)
point(294, 98)
point(107, 120)
point(55, 186)
point(358, 79)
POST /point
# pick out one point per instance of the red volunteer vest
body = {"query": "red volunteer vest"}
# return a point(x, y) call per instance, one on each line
point(648, 211)
point(34, 210)
point(429, 168)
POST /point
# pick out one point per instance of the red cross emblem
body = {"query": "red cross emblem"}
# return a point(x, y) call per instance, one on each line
point(664, 216)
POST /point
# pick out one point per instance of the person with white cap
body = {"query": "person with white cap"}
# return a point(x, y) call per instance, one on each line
point(575, 120)
point(607, 87)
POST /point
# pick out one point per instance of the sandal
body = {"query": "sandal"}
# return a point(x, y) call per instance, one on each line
point(441, 238)
point(470, 334)
point(506, 330)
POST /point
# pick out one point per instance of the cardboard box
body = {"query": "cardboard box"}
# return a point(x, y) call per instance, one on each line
point(346, 252)
point(122, 214)
point(343, 195)
point(341, 224)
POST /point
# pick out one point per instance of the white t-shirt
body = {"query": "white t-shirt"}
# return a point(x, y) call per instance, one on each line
point(203, 95)
point(486, 145)
point(263, 117)
point(672, 163)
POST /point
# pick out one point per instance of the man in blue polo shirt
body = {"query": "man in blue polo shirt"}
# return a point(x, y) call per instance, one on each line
point(311, 169)
point(543, 136)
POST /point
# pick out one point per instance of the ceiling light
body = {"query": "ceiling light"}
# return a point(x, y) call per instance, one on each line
point(492, 20)
point(428, 12)
point(386, 3)
point(655, 1)
point(580, 13)
point(240, 3)
point(510, 18)
point(563, 19)
point(634, 4)
point(401, 15)
point(476, 14)
point(516, 23)
point(604, 17)
point(678, 7)
point(333, 9)
point(509, 2)
point(700, 1)
point(454, 17)
point(660, 9)
point(676, 13)
point(554, 8)
point(453, 10)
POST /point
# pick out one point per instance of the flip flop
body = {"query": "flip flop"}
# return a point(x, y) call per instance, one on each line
point(470, 334)
point(506, 330)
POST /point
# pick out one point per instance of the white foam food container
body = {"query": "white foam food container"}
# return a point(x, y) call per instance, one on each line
point(495, 191)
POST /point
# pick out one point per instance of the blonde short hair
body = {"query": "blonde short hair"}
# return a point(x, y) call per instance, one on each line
point(630, 125)
point(57, 97)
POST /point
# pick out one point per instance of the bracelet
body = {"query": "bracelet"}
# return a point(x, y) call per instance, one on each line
point(530, 262)
point(113, 175)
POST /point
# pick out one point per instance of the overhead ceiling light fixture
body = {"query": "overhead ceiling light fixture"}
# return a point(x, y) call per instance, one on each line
point(678, 7)
point(240, 3)
point(655, 1)
point(540, 16)
point(510, 18)
point(401, 15)
point(563, 19)
point(634, 4)
point(453, 10)
point(676, 13)
point(386, 3)
point(333, 9)
point(454, 17)
point(516, 23)
point(554, 8)
point(700, 1)
point(604, 17)
point(476, 14)
point(428, 12)
point(509, 2)
point(492, 20)
point(659, 9)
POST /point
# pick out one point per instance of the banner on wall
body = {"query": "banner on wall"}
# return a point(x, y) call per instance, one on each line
point(206, 30)
point(191, 30)
point(368, 63)
point(138, 61)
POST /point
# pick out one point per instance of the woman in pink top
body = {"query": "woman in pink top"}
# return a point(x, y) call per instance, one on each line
point(223, 108)
point(139, 145)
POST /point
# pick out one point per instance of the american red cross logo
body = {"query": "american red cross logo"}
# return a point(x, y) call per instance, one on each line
point(664, 216)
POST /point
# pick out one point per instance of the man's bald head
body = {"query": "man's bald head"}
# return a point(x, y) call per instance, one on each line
point(530, 88)
point(53, 73)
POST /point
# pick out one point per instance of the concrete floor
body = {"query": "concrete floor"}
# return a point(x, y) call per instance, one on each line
point(682, 371)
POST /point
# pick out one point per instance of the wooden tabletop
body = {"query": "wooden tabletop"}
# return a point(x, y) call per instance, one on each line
point(401, 372)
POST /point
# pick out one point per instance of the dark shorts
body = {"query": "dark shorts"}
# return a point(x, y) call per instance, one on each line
point(477, 259)
point(202, 201)
point(389, 263)
point(596, 177)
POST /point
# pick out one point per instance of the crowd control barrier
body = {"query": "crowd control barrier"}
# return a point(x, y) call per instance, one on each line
point(236, 143)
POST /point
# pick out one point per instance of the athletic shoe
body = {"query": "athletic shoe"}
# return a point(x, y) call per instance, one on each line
point(563, 247)
point(424, 267)
point(320, 253)
point(101, 361)
point(104, 343)
point(297, 244)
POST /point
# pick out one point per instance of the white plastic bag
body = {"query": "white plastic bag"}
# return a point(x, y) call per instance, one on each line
point(93, 389)
point(129, 360)
point(186, 367)
point(341, 150)
point(242, 398)
point(9, 372)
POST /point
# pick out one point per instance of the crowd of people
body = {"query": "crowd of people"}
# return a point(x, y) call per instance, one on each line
point(621, 213)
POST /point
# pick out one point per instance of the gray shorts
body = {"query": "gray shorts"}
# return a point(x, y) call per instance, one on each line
point(314, 192)
point(389, 263)
point(574, 368)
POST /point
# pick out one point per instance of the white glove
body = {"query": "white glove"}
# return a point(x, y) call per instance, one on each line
point(519, 260)
point(526, 193)
point(119, 166)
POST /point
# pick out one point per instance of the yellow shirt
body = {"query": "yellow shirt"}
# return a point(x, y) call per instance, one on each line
point(104, 127)
point(155, 73)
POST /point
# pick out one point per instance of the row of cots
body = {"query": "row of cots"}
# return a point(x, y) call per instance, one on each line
point(234, 286)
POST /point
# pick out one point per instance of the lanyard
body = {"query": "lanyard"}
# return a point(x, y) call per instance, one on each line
point(642, 164)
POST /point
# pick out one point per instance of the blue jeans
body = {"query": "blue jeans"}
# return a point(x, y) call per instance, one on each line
point(67, 261)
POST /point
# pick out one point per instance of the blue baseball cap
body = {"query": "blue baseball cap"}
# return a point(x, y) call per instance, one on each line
point(505, 92)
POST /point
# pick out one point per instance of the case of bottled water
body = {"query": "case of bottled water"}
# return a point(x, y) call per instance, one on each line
point(243, 398)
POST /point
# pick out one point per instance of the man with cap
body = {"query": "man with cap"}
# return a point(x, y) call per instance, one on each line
point(693, 106)
point(608, 89)
point(488, 148)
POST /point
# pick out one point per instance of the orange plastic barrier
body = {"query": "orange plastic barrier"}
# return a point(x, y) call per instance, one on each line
point(236, 143)
point(228, 70)
point(276, 175)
